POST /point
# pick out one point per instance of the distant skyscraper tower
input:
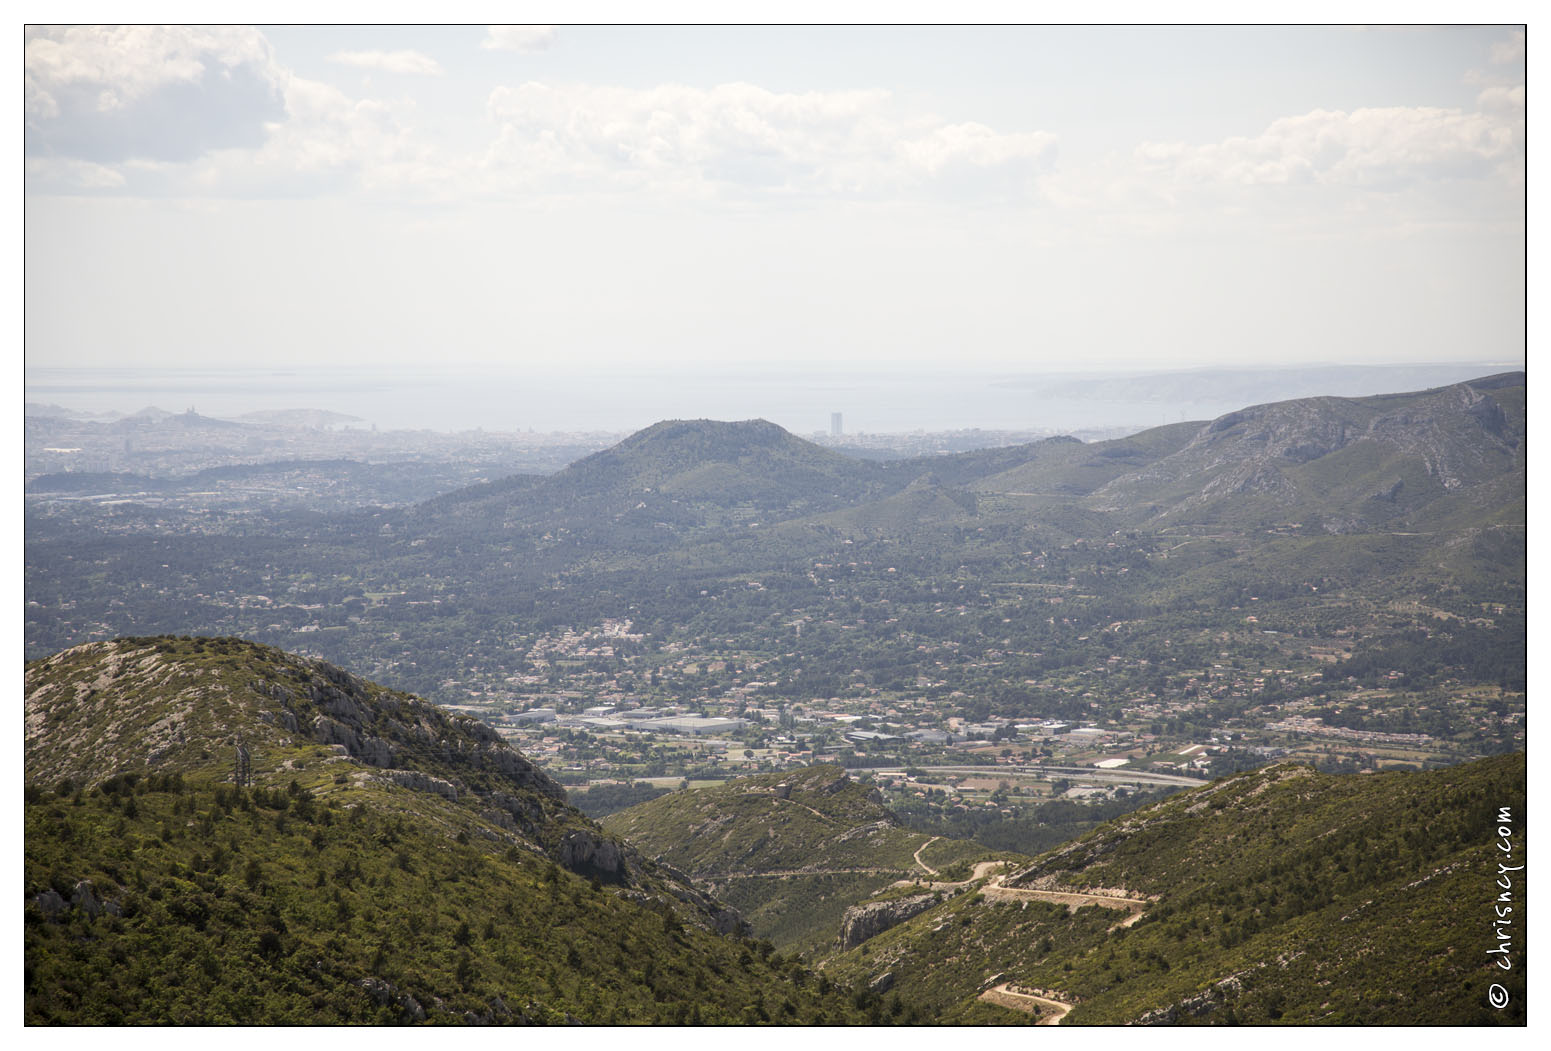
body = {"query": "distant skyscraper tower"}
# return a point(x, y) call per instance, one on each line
point(835, 430)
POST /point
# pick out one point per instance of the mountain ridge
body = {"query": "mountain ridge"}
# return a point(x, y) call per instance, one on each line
point(232, 834)
point(1278, 456)
point(139, 706)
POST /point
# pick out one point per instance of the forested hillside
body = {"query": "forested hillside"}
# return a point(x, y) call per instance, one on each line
point(219, 833)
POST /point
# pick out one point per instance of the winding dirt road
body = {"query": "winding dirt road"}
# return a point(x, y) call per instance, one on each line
point(1004, 996)
point(994, 890)
point(928, 869)
point(1073, 900)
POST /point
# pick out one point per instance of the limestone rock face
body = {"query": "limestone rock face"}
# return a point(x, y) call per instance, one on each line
point(724, 918)
point(50, 902)
point(83, 896)
point(861, 922)
point(85, 899)
point(1216, 995)
point(727, 920)
point(835, 784)
point(495, 755)
point(414, 779)
point(384, 994)
point(373, 751)
point(586, 852)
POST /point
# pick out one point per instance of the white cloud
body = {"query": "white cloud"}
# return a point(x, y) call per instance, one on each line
point(1502, 97)
point(412, 62)
point(38, 104)
point(1366, 147)
point(208, 113)
point(1510, 50)
point(740, 137)
point(63, 171)
point(328, 143)
point(522, 39)
point(136, 60)
point(111, 93)
point(975, 145)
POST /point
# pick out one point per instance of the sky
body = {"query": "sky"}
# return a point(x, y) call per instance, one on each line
point(573, 198)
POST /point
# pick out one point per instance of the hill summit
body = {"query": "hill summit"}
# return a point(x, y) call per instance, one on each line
point(719, 461)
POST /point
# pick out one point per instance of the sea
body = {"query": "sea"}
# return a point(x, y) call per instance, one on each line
point(615, 400)
point(876, 401)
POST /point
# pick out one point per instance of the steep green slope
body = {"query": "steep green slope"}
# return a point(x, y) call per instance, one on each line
point(386, 863)
point(1279, 895)
point(792, 851)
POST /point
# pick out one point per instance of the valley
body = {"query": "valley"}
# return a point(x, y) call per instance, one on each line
point(1055, 732)
point(1336, 580)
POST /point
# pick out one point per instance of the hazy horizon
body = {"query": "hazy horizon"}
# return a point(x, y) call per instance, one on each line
point(878, 401)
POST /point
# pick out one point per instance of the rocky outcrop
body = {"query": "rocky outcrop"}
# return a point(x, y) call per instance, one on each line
point(862, 831)
point(385, 994)
point(590, 854)
point(724, 919)
point(336, 702)
point(376, 726)
point(415, 780)
point(497, 756)
point(727, 920)
point(835, 784)
point(524, 810)
point(870, 919)
point(373, 751)
point(1218, 994)
point(85, 899)
point(51, 903)
point(83, 896)
point(1390, 494)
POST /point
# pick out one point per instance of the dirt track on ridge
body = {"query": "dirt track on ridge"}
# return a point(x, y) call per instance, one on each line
point(1005, 996)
